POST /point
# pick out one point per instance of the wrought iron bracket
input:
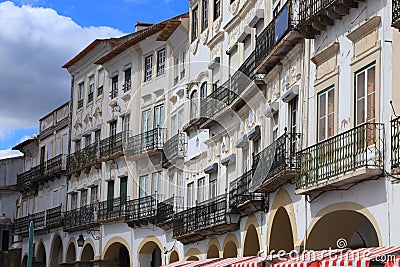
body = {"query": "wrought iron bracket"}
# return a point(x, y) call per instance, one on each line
point(93, 231)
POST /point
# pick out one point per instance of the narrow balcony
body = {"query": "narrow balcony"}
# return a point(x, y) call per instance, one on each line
point(395, 135)
point(111, 147)
point(166, 211)
point(396, 13)
point(28, 180)
point(317, 15)
point(342, 160)
point(277, 39)
point(80, 219)
point(241, 199)
point(56, 166)
point(141, 211)
point(205, 219)
point(150, 142)
point(276, 164)
point(127, 86)
point(174, 149)
point(84, 158)
point(21, 225)
point(111, 210)
point(53, 217)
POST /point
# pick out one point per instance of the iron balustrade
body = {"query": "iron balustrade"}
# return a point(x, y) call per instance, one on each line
point(275, 158)
point(53, 217)
point(395, 123)
point(285, 21)
point(359, 147)
point(24, 181)
point(217, 101)
point(55, 165)
point(80, 218)
point(83, 157)
point(111, 145)
point(142, 208)
point(80, 103)
point(167, 208)
point(114, 92)
point(127, 86)
point(111, 209)
point(395, 10)
point(174, 147)
point(145, 142)
point(204, 215)
point(90, 97)
point(308, 9)
point(239, 191)
point(21, 225)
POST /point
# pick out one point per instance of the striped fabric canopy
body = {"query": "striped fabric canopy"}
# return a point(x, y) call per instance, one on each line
point(308, 258)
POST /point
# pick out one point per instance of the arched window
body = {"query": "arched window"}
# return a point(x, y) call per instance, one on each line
point(193, 105)
point(203, 90)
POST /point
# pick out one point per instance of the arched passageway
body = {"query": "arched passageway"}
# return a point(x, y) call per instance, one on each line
point(87, 253)
point(71, 253)
point(230, 250)
point(150, 255)
point(117, 254)
point(348, 225)
point(174, 257)
point(212, 252)
point(281, 237)
point(56, 252)
point(251, 242)
point(40, 256)
point(192, 258)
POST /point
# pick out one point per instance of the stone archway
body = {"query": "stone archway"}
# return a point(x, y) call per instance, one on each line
point(230, 250)
point(71, 253)
point(150, 252)
point(251, 242)
point(40, 256)
point(212, 252)
point(56, 252)
point(281, 237)
point(349, 225)
point(87, 253)
point(118, 253)
point(173, 257)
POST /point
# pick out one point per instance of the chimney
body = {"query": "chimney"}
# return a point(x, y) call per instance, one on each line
point(142, 25)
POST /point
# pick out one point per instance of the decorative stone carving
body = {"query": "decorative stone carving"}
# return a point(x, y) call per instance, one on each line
point(204, 37)
point(217, 24)
point(234, 7)
point(193, 46)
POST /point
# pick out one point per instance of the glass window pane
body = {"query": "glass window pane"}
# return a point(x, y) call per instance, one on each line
point(360, 85)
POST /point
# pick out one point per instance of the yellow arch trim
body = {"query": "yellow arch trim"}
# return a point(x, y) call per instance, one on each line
point(351, 206)
point(117, 239)
point(231, 238)
point(193, 252)
point(73, 241)
point(88, 241)
point(252, 220)
point(214, 241)
point(147, 240)
point(282, 199)
point(170, 253)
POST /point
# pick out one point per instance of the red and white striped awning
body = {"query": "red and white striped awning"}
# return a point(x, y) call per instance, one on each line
point(190, 263)
point(307, 258)
point(257, 261)
point(226, 262)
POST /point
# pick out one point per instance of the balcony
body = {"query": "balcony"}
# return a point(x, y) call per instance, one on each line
point(277, 39)
point(90, 97)
point(241, 199)
point(276, 164)
point(111, 210)
point(81, 218)
point(174, 149)
point(80, 103)
point(84, 158)
point(396, 14)
point(127, 86)
point(395, 134)
point(342, 160)
point(316, 15)
point(149, 142)
point(111, 147)
point(28, 180)
point(141, 211)
point(206, 219)
point(53, 217)
point(55, 166)
point(21, 225)
point(166, 211)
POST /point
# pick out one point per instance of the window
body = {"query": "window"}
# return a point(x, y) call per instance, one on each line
point(245, 159)
point(180, 184)
point(213, 184)
point(49, 150)
point(143, 186)
point(158, 116)
point(173, 125)
point(91, 89)
point(127, 80)
point(217, 9)
point(365, 95)
point(171, 185)
point(256, 146)
point(193, 105)
point(326, 113)
point(74, 201)
point(200, 190)
point(183, 63)
point(160, 62)
point(176, 70)
point(293, 123)
point(113, 128)
point(195, 23)
point(204, 24)
point(190, 195)
point(101, 83)
point(81, 92)
point(203, 91)
point(114, 87)
point(148, 68)
point(77, 145)
point(97, 136)
point(87, 140)
point(84, 196)
point(125, 125)
point(94, 193)
point(180, 119)
point(146, 121)
point(277, 9)
point(156, 184)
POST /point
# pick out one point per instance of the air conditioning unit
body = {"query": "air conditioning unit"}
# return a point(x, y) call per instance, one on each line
point(272, 109)
point(290, 94)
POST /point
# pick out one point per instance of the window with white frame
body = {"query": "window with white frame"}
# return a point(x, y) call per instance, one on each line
point(213, 185)
point(200, 190)
point(94, 194)
point(114, 87)
point(204, 24)
point(195, 23)
point(190, 202)
point(74, 201)
point(193, 105)
point(183, 63)
point(101, 82)
point(365, 95)
point(156, 189)
point(148, 68)
point(84, 196)
point(217, 9)
point(176, 70)
point(91, 89)
point(326, 113)
point(160, 61)
point(143, 186)
point(171, 185)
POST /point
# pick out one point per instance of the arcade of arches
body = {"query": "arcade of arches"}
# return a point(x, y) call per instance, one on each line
point(117, 253)
point(150, 252)
point(56, 252)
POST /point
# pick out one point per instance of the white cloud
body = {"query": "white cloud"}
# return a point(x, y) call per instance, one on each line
point(34, 44)
point(8, 153)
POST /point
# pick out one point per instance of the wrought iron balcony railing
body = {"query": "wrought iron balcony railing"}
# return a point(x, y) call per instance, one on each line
point(53, 217)
point(395, 132)
point(112, 209)
point(174, 148)
point(275, 159)
point(56, 165)
point(357, 148)
point(90, 97)
point(81, 218)
point(127, 86)
point(80, 103)
point(28, 180)
point(114, 92)
point(167, 209)
point(142, 209)
point(21, 225)
point(239, 192)
point(217, 101)
point(396, 13)
point(83, 157)
point(146, 142)
point(111, 145)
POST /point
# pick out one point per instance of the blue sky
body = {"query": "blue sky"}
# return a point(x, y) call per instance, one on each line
point(38, 36)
